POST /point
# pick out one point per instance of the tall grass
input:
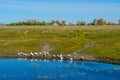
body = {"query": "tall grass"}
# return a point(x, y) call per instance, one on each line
point(61, 40)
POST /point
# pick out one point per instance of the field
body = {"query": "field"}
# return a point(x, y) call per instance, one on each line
point(98, 41)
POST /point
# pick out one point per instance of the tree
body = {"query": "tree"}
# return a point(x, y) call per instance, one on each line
point(90, 24)
point(80, 23)
point(110, 23)
point(71, 24)
point(94, 22)
point(119, 21)
point(43, 23)
point(63, 23)
point(101, 22)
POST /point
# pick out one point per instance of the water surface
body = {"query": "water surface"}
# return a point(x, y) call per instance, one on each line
point(33, 69)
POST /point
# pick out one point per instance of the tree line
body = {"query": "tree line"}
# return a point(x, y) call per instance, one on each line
point(63, 23)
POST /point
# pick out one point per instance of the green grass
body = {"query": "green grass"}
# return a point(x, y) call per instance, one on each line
point(61, 40)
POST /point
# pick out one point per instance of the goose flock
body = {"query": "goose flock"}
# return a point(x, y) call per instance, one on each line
point(47, 55)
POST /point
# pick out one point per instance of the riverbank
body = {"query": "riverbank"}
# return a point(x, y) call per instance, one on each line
point(100, 42)
point(76, 58)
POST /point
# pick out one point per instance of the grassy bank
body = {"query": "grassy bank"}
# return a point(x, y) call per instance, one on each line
point(92, 40)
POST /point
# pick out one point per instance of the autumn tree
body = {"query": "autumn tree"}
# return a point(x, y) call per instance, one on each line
point(101, 22)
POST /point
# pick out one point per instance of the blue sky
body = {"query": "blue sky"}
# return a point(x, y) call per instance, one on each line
point(69, 10)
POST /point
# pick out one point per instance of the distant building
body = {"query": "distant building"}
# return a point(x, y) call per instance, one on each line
point(55, 22)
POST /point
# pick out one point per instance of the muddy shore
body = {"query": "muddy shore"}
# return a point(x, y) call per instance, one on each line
point(76, 58)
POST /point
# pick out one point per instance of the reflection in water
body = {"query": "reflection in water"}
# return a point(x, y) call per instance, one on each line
point(36, 69)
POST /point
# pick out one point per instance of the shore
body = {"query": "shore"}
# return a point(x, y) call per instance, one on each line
point(66, 57)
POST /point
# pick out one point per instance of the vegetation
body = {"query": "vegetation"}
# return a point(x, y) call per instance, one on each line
point(64, 40)
point(62, 23)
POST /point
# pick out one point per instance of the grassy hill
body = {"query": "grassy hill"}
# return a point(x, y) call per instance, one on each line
point(98, 41)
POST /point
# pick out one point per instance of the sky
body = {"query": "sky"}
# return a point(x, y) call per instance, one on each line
point(69, 10)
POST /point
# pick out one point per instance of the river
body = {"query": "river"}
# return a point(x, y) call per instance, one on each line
point(34, 69)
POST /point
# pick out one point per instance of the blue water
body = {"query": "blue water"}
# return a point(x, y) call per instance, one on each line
point(26, 69)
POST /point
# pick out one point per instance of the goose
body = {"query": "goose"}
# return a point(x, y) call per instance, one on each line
point(25, 54)
point(69, 55)
point(31, 54)
point(44, 54)
point(54, 56)
point(61, 58)
point(19, 54)
point(71, 59)
point(82, 57)
point(60, 55)
point(47, 53)
point(36, 53)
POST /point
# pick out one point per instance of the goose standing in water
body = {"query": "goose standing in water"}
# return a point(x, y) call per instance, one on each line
point(31, 54)
point(82, 57)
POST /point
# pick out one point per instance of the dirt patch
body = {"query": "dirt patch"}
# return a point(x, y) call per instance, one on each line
point(91, 44)
point(46, 47)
